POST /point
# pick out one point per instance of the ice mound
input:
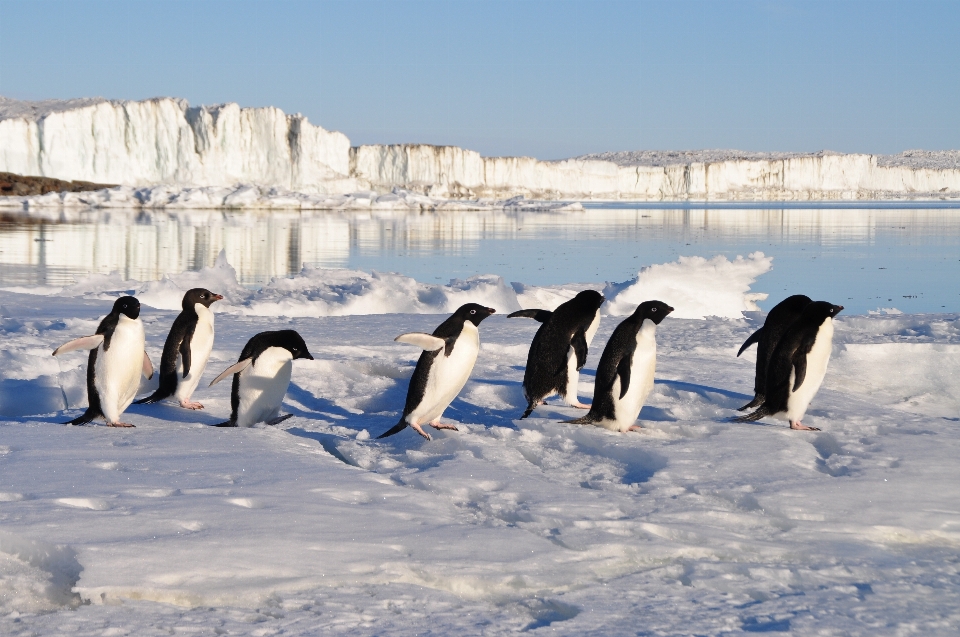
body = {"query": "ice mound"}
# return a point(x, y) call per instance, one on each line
point(36, 576)
point(696, 287)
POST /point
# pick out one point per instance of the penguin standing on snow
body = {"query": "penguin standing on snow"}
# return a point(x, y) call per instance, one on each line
point(448, 357)
point(778, 320)
point(797, 366)
point(625, 372)
point(261, 377)
point(186, 350)
point(117, 359)
point(559, 349)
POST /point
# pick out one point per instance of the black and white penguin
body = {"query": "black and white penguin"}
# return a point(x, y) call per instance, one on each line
point(186, 350)
point(797, 366)
point(448, 357)
point(559, 349)
point(778, 320)
point(117, 359)
point(626, 369)
point(261, 377)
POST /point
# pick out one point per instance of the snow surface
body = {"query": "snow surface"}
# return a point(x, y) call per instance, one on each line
point(695, 526)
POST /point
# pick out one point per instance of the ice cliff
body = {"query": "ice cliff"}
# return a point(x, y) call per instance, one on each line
point(165, 142)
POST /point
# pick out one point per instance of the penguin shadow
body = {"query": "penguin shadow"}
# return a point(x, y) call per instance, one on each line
point(708, 394)
point(174, 413)
point(317, 408)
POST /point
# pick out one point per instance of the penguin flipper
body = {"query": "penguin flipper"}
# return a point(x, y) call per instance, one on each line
point(236, 368)
point(84, 342)
point(623, 370)
point(757, 415)
point(537, 315)
point(579, 344)
point(147, 366)
point(397, 428)
point(754, 338)
point(800, 361)
point(428, 342)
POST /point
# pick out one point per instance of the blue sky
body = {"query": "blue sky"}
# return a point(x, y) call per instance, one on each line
point(550, 79)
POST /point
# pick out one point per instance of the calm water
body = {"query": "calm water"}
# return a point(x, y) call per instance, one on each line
point(907, 258)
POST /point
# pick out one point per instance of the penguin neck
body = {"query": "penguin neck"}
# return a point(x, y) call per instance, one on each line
point(203, 312)
point(648, 330)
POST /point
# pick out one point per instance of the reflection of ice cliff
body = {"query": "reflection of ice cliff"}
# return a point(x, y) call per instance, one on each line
point(198, 156)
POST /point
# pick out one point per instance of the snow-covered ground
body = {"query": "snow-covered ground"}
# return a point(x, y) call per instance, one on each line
point(695, 526)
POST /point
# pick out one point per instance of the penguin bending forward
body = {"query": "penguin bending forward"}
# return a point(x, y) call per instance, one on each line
point(261, 377)
point(626, 369)
point(778, 320)
point(117, 359)
point(797, 366)
point(559, 349)
point(186, 350)
point(448, 357)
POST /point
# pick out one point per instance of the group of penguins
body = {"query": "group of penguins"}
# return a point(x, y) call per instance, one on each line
point(793, 349)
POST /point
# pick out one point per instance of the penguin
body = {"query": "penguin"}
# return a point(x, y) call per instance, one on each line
point(117, 359)
point(797, 366)
point(186, 350)
point(559, 349)
point(261, 377)
point(625, 372)
point(778, 320)
point(442, 370)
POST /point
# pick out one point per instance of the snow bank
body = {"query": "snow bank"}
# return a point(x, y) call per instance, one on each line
point(695, 286)
point(201, 153)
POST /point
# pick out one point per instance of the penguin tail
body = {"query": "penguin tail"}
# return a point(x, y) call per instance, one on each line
point(761, 412)
point(529, 409)
point(757, 400)
point(155, 397)
point(168, 385)
point(582, 420)
point(88, 416)
point(397, 428)
point(226, 423)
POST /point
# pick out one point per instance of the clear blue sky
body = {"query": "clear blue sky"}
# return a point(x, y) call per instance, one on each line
point(550, 79)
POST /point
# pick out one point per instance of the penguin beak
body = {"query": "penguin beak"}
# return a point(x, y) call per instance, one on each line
point(491, 310)
point(217, 297)
point(308, 356)
point(669, 309)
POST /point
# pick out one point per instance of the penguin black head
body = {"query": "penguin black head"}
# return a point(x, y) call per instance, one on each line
point(819, 311)
point(129, 306)
point(656, 311)
point(590, 298)
point(199, 295)
point(474, 312)
point(291, 341)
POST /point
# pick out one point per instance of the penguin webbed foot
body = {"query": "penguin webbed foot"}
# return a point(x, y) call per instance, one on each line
point(440, 425)
point(119, 424)
point(189, 404)
point(799, 426)
point(579, 405)
point(419, 430)
point(636, 428)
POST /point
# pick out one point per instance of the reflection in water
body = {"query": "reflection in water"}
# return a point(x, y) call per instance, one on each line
point(812, 247)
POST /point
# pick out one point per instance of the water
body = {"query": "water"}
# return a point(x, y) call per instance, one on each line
point(865, 259)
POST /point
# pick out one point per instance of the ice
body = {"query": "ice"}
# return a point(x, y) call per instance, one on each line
point(165, 153)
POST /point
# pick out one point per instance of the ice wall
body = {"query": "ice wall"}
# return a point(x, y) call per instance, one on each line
point(165, 141)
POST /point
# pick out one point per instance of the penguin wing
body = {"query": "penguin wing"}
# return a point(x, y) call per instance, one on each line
point(579, 343)
point(185, 357)
point(236, 368)
point(800, 360)
point(147, 366)
point(754, 338)
point(537, 315)
point(623, 370)
point(428, 342)
point(84, 342)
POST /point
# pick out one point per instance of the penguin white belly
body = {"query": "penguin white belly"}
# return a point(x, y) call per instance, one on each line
point(817, 360)
point(573, 375)
point(448, 375)
point(118, 370)
point(642, 370)
point(263, 386)
point(201, 344)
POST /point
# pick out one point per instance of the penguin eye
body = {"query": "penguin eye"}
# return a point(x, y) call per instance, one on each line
point(295, 350)
point(203, 296)
point(654, 310)
point(473, 311)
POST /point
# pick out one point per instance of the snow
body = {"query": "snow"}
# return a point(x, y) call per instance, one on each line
point(165, 153)
point(695, 526)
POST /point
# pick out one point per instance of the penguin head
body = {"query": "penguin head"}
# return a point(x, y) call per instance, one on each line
point(656, 311)
point(199, 295)
point(474, 312)
point(590, 299)
point(291, 341)
point(819, 311)
point(129, 306)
